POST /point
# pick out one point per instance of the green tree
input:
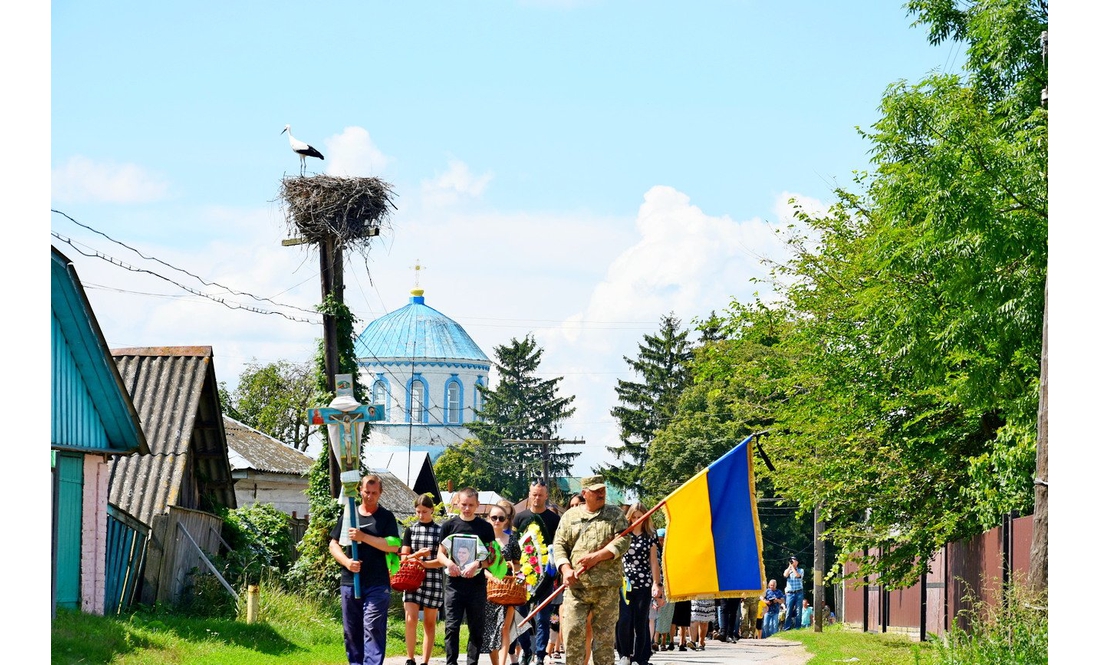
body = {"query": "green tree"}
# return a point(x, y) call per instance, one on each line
point(522, 407)
point(458, 465)
point(647, 405)
point(920, 305)
point(273, 398)
point(741, 377)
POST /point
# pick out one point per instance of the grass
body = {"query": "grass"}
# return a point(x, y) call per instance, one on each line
point(838, 644)
point(1012, 633)
point(291, 629)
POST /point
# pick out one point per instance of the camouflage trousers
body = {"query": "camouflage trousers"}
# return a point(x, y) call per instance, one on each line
point(602, 603)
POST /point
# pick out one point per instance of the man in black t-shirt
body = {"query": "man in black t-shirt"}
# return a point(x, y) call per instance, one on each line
point(465, 592)
point(365, 617)
point(538, 512)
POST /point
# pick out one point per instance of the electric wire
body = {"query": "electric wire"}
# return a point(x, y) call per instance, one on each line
point(188, 273)
point(222, 301)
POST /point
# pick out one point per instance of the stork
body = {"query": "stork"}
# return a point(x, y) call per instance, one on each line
point(301, 148)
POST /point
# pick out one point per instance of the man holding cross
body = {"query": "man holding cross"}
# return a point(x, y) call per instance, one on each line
point(365, 616)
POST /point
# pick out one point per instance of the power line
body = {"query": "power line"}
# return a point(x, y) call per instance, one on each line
point(231, 305)
point(188, 273)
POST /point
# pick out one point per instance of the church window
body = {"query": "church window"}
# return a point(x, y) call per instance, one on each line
point(479, 400)
point(380, 393)
point(417, 408)
point(454, 400)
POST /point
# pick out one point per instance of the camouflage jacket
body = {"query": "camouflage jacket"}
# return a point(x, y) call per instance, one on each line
point(581, 532)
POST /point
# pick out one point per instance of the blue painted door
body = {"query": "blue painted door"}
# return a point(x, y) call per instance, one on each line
point(68, 511)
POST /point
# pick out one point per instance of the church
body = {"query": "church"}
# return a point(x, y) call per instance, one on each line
point(424, 368)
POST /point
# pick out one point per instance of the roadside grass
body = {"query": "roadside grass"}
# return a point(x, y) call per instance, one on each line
point(292, 629)
point(838, 644)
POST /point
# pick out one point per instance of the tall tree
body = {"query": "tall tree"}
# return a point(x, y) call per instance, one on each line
point(921, 302)
point(522, 407)
point(273, 398)
point(649, 404)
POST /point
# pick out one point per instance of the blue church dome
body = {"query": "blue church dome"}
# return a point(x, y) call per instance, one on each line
point(417, 331)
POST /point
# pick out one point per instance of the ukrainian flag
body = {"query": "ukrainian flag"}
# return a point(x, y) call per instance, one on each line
point(713, 547)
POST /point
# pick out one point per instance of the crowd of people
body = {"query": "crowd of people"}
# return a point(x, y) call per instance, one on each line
point(613, 610)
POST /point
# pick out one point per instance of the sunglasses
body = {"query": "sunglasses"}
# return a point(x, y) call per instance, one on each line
point(498, 518)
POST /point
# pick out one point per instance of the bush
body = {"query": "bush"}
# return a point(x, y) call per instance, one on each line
point(1012, 632)
point(259, 535)
point(206, 597)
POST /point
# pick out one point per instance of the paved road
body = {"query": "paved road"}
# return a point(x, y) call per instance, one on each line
point(772, 651)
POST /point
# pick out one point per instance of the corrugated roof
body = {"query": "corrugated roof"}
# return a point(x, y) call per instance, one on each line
point(417, 331)
point(252, 449)
point(175, 393)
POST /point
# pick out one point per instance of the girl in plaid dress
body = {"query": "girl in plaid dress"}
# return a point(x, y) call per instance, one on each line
point(422, 541)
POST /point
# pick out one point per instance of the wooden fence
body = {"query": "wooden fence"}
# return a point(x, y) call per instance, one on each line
point(979, 565)
point(178, 537)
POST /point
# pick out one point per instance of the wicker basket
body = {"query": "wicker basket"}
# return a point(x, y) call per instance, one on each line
point(508, 591)
point(409, 576)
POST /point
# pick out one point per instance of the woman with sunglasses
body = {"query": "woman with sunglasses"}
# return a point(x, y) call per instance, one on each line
point(498, 618)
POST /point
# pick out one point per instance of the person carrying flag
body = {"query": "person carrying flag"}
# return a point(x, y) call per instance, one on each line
point(589, 557)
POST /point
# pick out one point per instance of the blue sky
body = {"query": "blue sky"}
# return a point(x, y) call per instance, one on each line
point(569, 169)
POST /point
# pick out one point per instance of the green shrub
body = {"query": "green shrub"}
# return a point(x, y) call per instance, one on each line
point(1014, 631)
point(259, 535)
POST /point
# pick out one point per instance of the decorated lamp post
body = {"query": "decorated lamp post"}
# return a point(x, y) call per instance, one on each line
point(344, 418)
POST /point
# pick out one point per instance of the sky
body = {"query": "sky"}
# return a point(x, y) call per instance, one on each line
point(570, 169)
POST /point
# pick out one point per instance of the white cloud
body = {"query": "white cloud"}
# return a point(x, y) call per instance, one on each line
point(456, 184)
point(352, 153)
point(82, 180)
point(683, 261)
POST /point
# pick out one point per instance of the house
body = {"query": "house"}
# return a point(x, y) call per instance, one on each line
point(178, 487)
point(266, 470)
point(92, 421)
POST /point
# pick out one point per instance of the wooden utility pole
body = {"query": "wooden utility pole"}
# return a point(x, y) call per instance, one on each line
point(545, 444)
point(1038, 568)
point(819, 571)
point(332, 283)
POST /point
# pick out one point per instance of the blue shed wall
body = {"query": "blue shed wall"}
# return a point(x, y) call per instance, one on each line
point(74, 420)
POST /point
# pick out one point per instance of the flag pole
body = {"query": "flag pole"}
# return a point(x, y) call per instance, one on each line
point(581, 569)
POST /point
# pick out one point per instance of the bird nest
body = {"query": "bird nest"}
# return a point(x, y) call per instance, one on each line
point(351, 210)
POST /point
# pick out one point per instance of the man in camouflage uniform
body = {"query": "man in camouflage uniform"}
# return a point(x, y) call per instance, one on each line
point(585, 543)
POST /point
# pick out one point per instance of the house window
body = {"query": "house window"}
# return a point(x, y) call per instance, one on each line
point(454, 400)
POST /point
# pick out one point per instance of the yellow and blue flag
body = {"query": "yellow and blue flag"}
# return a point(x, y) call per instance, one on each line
point(713, 547)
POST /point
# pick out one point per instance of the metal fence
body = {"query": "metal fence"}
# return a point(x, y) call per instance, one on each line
point(126, 541)
point(978, 567)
